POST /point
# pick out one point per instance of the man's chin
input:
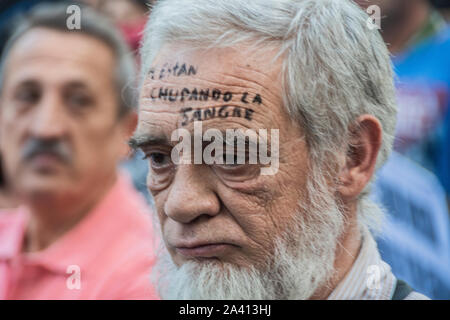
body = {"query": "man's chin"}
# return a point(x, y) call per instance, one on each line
point(207, 279)
point(43, 187)
point(218, 280)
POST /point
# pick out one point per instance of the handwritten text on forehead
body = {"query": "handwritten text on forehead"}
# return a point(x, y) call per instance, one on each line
point(230, 100)
point(207, 94)
point(176, 70)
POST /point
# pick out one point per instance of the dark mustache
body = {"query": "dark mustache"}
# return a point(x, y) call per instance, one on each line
point(54, 147)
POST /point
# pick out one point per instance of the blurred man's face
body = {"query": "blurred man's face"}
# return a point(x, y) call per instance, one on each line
point(58, 114)
point(223, 221)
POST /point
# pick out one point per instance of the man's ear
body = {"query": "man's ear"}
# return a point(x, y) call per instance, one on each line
point(128, 125)
point(361, 157)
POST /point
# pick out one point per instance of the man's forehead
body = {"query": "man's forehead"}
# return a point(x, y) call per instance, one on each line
point(220, 87)
point(43, 45)
point(182, 77)
point(179, 65)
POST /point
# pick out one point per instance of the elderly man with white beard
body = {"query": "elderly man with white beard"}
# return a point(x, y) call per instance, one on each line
point(314, 71)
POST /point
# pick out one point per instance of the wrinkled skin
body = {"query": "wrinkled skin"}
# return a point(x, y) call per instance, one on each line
point(219, 204)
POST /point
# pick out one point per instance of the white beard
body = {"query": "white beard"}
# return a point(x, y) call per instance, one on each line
point(303, 262)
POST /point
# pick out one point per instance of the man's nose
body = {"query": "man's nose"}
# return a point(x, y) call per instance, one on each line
point(48, 120)
point(191, 195)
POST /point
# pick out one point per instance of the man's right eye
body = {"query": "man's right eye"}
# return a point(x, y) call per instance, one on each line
point(28, 95)
point(159, 160)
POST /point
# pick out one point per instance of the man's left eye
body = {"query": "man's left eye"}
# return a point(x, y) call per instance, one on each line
point(79, 100)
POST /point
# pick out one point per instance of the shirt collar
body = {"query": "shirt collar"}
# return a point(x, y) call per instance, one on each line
point(12, 230)
point(370, 278)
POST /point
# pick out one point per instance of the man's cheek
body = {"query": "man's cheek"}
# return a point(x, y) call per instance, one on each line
point(159, 205)
point(251, 217)
point(11, 156)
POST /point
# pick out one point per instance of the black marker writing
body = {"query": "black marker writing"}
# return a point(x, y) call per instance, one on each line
point(223, 112)
point(176, 70)
point(185, 94)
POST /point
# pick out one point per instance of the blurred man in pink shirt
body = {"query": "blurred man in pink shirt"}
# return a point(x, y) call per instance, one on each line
point(66, 111)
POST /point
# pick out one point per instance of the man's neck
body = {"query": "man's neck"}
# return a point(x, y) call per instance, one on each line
point(7, 200)
point(347, 250)
point(49, 220)
point(398, 30)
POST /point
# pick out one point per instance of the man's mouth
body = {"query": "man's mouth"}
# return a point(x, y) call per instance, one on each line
point(45, 162)
point(206, 250)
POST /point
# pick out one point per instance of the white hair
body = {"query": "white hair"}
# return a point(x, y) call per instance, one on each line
point(335, 67)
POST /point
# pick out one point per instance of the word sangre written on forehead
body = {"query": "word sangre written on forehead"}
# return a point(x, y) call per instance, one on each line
point(223, 112)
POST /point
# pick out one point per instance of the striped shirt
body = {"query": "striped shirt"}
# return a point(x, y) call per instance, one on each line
point(370, 278)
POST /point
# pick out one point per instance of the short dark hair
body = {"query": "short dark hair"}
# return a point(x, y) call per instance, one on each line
point(54, 16)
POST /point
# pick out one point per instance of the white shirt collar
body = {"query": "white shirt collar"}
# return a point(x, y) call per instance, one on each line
point(370, 278)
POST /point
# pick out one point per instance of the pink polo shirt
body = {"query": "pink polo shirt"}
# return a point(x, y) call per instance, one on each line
point(107, 255)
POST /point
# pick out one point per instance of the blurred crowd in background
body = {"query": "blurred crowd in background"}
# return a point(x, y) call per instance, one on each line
point(414, 186)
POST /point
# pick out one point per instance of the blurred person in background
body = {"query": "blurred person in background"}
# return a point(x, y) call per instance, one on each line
point(129, 16)
point(419, 39)
point(130, 25)
point(66, 111)
point(8, 10)
point(418, 226)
